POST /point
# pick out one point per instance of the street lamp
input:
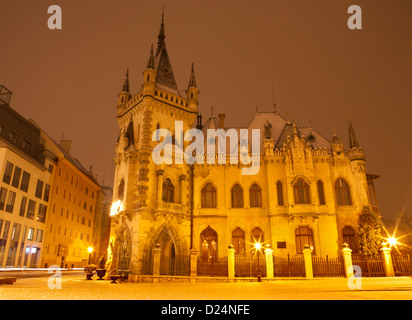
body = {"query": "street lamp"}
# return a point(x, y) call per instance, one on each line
point(258, 247)
point(89, 250)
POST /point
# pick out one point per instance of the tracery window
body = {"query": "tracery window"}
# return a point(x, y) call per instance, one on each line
point(255, 196)
point(303, 236)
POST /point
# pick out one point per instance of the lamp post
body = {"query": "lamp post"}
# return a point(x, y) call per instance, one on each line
point(90, 250)
point(258, 246)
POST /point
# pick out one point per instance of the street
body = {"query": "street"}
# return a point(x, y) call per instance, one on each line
point(76, 287)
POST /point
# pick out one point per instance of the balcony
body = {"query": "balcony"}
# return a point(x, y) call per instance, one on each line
point(163, 207)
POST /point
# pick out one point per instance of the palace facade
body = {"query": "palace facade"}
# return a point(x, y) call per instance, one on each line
point(309, 190)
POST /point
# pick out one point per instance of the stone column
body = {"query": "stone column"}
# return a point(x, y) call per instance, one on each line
point(387, 262)
point(347, 260)
point(307, 256)
point(183, 190)
point(231, 263)
point(269, 262)
point(159, 184)
point(156, 262)
point(193, 265)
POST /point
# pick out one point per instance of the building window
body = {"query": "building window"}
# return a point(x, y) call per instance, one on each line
point(10, 201)
point(238, 241)
point(349, 237)
point(237, 196)
point(168, 191)
point(46, 192)
point(257, 235)
point(3, 193)
point(321, 193)
point(13, 137)
point(301, 192)
point(255, 196)
point(50, 168)
point(31, 209)
point(120, 192)
point(39, 189)
point(7, 172)
point(208, 196)
point(208, 241)
point(39, 235)
point(16, 177)
point(30, 234)
point(23, 206)
point(41, 214)
point(279, 189)
point(304, 236)
point(25, 180)
point(343, 196)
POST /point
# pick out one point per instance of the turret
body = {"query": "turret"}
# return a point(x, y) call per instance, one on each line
point(192, 91)
point(149, 75)
point(355, 152)
point(124, 95)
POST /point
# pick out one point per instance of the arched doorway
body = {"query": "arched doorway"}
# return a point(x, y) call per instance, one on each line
point(208, 244)
point(172, 259)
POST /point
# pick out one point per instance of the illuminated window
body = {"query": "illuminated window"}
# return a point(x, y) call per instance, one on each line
point(238, 241)
point(208, 240)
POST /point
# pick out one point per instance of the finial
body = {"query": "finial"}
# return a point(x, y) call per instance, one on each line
point(192, 80)
point(161, 37)
point(212, 110)
point(126, 87)
point(151, 63)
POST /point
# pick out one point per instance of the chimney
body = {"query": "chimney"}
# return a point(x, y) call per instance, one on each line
point(222, 120)
point(66, 144)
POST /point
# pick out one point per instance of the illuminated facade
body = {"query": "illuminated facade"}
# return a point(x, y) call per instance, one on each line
point(308, 190)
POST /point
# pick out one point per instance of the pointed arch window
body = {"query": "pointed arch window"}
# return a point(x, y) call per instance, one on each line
point(257, 235)
point(279, 190)
point(238, 241)
point(168, 191)
point(321, 193)
point(349, 237)
point(255, 196)
point(304, 236)
point(301, 192)
point(237, 196)
point(208, 196)
point(343, 194)
point(208, 244)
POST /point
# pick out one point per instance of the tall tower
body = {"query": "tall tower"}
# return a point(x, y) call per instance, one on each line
point(145, 216)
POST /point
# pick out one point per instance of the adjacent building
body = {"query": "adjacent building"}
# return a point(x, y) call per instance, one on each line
point(50, 206)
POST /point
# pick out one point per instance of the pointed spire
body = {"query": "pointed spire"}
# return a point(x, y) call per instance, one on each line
point(126, 87)
point(192, 81)
point(161, 37)
point(151, 62)
point(353, 141)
